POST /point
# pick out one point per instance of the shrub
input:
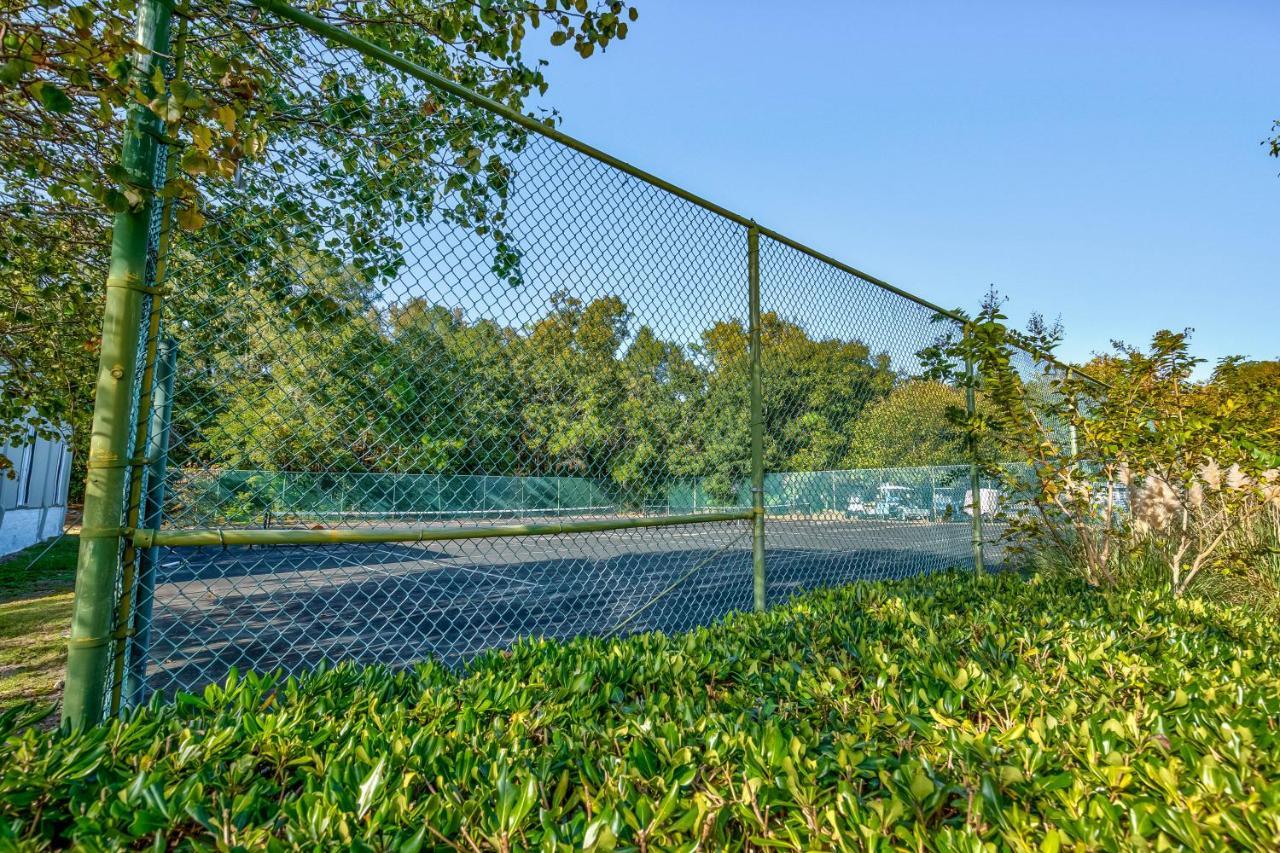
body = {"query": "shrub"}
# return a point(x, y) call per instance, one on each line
point(933, 713)
point(1199, 463)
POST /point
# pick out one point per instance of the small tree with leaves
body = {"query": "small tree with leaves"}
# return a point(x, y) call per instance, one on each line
point(1152, 463)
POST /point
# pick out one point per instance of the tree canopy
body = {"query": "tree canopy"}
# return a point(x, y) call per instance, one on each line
point(582, 390)
point(909, 427)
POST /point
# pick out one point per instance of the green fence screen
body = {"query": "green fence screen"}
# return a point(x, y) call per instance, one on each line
point(290, 498)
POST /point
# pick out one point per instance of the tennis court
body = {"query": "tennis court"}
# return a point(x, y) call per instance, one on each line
point(287, 607)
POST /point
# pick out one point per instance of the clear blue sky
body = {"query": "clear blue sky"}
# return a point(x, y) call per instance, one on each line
point(1094, 160)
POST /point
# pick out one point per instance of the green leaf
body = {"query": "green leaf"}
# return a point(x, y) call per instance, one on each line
point(369, 789)
point(11, 72)
point(115, 201)
point(190, 218)
point(921, 785)
point(52, 98)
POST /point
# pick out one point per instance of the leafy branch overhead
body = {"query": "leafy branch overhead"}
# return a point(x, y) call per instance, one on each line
point(65, 71)
point(250, 98)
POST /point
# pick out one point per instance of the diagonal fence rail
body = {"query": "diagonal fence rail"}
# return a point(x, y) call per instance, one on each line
point(431, 376)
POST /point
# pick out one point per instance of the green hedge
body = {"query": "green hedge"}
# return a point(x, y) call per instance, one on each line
point(931, 713)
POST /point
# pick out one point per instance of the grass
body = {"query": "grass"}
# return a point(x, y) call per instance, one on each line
point(35, 614)
point(33, 648)
point(41, 569)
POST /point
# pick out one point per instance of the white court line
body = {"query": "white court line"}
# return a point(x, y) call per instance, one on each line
point(497, 577)
point(440, 566)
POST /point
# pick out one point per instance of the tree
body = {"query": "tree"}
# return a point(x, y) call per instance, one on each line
point(314, 386)
point(813, 392)
point(1246, 377)
point(335, 379)
point(275, 137)
point(1164, 468)
point(575, 385)
point(909, 427)
point(662, 386)
point(1254, 386)
point(48, 350)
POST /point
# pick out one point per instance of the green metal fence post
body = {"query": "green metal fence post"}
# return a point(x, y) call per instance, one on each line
point(89, 650)
point(152, 515)
point(757, 420)
point(975, 478)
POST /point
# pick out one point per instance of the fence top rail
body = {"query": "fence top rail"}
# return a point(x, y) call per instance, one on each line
point(376, 51)
point(223, 537)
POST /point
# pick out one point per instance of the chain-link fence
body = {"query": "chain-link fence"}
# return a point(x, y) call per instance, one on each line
point(431, 377)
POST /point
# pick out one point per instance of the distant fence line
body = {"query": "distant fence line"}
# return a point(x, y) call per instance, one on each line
point(239, 496)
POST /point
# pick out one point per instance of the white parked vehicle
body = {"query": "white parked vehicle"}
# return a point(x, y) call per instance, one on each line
point(891, 501)
point(989, 498)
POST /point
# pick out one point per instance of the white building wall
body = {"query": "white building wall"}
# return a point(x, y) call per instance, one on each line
point(33, 505)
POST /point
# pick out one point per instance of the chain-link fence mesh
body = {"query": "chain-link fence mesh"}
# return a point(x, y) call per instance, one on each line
point(421, 313)
point(845, 388)
point(410, 313)
point(1015, 488)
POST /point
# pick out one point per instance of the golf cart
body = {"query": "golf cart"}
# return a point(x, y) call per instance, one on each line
point(890, 502)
